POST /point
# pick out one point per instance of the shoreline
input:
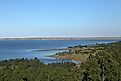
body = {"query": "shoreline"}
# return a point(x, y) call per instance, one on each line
point(72, 57)
point(54, 49)
point(62, 38)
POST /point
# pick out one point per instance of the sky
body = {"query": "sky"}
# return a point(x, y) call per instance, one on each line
point(60, 18)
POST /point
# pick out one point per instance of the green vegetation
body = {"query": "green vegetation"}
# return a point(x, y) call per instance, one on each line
point(34, 70)
point(103, 64)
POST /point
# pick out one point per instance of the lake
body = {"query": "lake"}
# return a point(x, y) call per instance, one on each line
point(11, 49)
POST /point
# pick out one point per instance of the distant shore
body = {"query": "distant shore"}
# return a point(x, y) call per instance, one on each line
point(64, 38)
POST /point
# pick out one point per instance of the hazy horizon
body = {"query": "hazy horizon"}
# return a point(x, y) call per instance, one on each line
point(60, 18)
point(63, 37)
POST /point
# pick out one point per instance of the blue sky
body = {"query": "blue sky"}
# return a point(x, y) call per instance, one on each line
point(65, 18)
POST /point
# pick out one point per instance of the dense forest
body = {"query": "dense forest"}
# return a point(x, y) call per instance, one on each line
point(104, 65)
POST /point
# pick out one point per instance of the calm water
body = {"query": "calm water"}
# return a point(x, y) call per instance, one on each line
point(11, 49)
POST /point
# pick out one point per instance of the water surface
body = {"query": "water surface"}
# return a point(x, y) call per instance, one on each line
point(11, 49)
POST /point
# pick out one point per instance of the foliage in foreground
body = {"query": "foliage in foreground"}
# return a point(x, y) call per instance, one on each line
point(105, 65)
point(34, 70)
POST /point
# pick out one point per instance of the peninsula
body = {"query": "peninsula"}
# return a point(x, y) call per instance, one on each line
point(82, 52)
